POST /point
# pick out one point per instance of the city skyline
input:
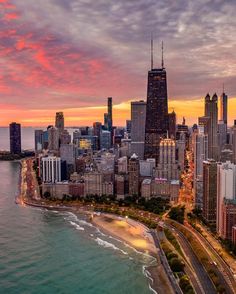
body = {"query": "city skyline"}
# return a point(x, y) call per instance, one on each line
point(47, 65)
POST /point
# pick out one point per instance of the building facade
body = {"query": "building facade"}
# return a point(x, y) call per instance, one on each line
point(138, 118)
point(209, 191)
point(51, 169)
point(15, 138)
point(156, 112)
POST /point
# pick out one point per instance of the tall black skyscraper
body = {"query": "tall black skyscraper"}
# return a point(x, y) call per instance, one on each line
point(157, 109)
point(109, 112)
point(109, 117)
point(15, 138)
point(224, 107)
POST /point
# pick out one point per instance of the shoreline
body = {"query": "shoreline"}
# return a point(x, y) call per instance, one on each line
point(136, 234)
point(158, 281)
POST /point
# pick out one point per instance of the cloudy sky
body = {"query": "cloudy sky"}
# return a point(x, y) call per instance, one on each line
point(69, 55)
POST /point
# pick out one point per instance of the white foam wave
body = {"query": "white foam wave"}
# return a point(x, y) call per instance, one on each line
point(150, 288)
point(109, 245)
point(78, 227)
point(74, 217)
point(118, 240)
point(101, 233)
point(153, 259)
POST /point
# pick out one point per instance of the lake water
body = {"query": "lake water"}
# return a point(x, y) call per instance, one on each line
point(50, 252)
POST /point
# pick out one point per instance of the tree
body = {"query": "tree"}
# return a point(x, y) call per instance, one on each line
point(177, 213)
point(176, 265)
point(47, 194)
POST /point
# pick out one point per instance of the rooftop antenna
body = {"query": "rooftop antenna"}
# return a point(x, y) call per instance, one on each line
point(151, 52)
point(223, 88)
point(162, 55)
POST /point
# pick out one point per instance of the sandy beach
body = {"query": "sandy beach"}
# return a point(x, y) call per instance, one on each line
point(136, 235)
point(133, 233)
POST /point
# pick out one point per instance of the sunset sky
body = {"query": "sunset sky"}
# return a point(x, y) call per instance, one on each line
point(70, 55)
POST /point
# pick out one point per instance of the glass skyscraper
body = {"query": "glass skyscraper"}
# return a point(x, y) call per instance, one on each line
point(15, 138)
point(156, 125)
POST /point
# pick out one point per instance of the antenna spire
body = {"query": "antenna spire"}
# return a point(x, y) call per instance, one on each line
point(223, 88)
point(162, 54)
point(151, 52)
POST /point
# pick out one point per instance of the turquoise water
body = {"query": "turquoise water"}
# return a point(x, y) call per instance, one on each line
point(49, 252)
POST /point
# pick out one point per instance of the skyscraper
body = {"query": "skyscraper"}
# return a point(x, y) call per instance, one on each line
point(234, 141)
point(138, 118)
point(53, 139)
point(224, 107)
point(109, 112)
point(59, 122)
point(211, 112)
point(156, 111)
point(133, 170)
point(167, 168)
point(97, 127)
point(209, 191)
point(109, 118)
point(226, 189)
point(38, 140)
point(15, 138)
point(200, 150)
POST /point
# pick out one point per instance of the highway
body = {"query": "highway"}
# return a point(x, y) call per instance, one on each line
point(222, 268)
point(202, 283)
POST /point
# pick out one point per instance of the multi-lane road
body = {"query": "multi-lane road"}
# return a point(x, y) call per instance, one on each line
point(198, 276)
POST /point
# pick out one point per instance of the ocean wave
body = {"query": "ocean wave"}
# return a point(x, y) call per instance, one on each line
point(109, 245)
point(150, 257)
point(150, 288)
point(147, 274)
point(101, 233)
point(78, 227)
point(74, 217)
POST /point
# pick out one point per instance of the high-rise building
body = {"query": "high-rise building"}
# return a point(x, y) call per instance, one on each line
point(209, 191)
point(109, 112)
point(228, 218)
point(59, 121)
point(181, 150)
point(224, 108)
point(138, 118)
point(38, 140)
point(133, 170)
point(200, 154)
point(53, 139)
point(172, 125)
point(128, 126)
point(211, 112)
point(222, 135)
point(234, 141)
point(147, 167)
point(105, 140)
point(93, 183)
point(109, 118)
point(106, 121)
point(51, 169)
point(122, 165)
point(167, 167)
point(65, 137)
point(97, 127)
point(226, 189)
point(15, 138)
point(156, 110)
point(67, 153)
